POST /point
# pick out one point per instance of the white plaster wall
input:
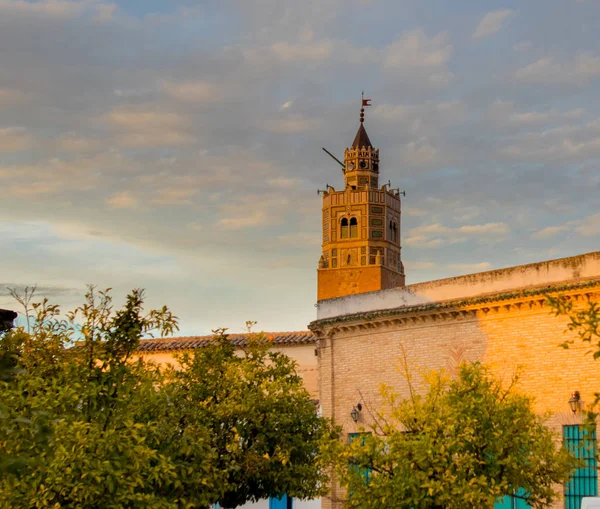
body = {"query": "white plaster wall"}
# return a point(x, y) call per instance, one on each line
point(297, 504)
point(585, 266)
point(261, 504)
point(307, 504)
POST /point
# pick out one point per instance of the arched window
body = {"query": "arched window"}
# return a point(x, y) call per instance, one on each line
point(393, 235)
point(344, 229)
point(353, 228)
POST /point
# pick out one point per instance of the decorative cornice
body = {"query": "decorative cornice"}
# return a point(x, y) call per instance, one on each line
point(448, 309)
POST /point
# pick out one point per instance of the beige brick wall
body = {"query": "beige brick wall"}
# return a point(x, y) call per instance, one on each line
point(303, 354)
point(357, 358)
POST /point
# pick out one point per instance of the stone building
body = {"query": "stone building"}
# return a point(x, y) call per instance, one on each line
point(496, 317)
point(367, 316)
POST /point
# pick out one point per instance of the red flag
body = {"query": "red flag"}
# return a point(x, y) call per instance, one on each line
point(366, 102)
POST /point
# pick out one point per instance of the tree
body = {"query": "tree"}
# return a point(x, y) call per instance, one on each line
point(109, 436)
point(85, 424)
point(263, 425)
point(464, 442)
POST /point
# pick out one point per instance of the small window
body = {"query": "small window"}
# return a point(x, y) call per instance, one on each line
point(353, 228)
point(344, 232)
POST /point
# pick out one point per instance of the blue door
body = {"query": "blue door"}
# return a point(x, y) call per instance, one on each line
point(509, 502)
point(284, 502)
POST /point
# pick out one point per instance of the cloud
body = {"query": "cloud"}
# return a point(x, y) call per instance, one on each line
point(15, 139)
point(488, 228)
point(419, 265)
point(523, 46)
point(471, 267)
point(293, 124)
point(122, 200)
point(423, 242)
point(491, 23)
point(579, 71)
point(303, 52)
point(504, 113)
point(590, 226)
point(175, 133)
point(550, 231)
point(474, 229)
point(72, 143)
point(194, 91)
point(10, 97)
point(423, 118)
point(435, 234)
point(253, 211)
point(58, 9)
point(175, 196)
point(40, 291)
point(566, 142)
point(414, 50)
point(143, 127)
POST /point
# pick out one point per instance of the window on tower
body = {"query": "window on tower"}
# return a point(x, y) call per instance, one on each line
point(393, 231)
point(344, 228)
point(354, 228)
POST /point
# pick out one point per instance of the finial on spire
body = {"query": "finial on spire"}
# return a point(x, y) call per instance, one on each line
point(364, 102)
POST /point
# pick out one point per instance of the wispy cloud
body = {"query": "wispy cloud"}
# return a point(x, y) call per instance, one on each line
point(491, 23)
point(471, 267)
point(549, 71)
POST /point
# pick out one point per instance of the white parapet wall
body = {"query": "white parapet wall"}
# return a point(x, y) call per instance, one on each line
point(552, 272)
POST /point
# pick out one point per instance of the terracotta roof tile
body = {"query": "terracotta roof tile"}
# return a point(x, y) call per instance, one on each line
point(190, 342)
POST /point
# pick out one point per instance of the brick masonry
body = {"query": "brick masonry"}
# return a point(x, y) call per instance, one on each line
point(509, 332)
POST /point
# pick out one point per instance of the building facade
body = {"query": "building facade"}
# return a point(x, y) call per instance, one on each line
point(367, 320)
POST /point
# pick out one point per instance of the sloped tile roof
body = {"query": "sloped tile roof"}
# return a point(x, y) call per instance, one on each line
point(190, 342)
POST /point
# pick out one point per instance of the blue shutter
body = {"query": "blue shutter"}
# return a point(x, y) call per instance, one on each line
point(581, 442)
point(366, 472)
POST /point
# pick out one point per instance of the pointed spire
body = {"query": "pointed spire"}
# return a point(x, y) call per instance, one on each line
point(362, 138)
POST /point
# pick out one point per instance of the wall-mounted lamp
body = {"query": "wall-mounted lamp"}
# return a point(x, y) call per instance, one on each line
point(575, 401)
point(355, 413)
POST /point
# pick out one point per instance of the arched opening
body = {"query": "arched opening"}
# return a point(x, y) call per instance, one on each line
point(353, 228)
point(393, 232)
point(344, 228)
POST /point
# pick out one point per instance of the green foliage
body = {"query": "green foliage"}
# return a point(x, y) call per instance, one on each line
point(84, 423)
point(585, 321)
point(464, 442)
point(264, 426)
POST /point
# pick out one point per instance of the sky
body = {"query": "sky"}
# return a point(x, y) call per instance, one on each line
point(175, 145)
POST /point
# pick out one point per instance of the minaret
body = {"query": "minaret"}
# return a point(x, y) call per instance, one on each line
point(361, 227)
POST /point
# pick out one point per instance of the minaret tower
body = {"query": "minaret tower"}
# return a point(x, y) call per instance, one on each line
point(361, 227)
